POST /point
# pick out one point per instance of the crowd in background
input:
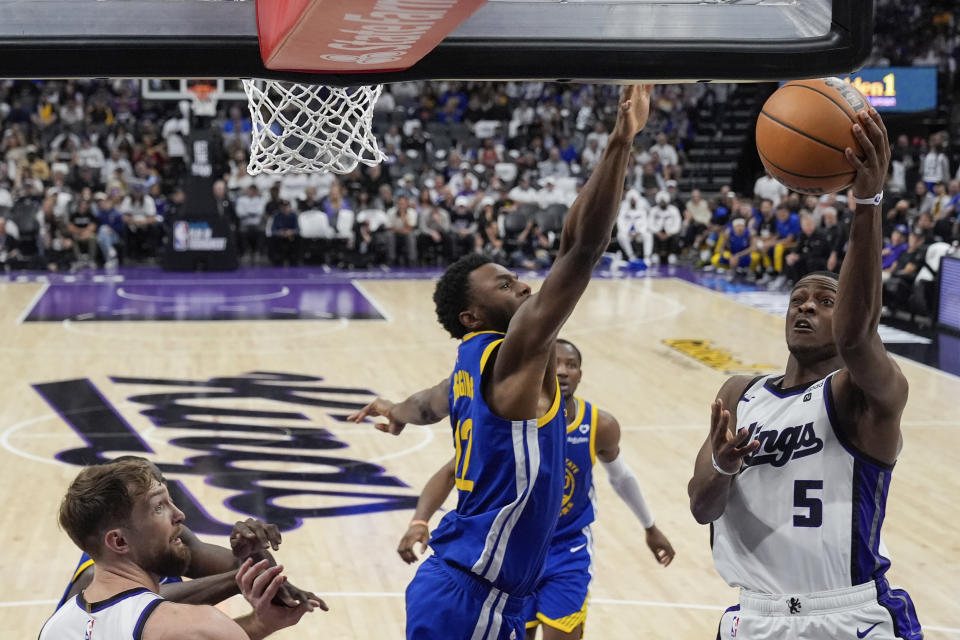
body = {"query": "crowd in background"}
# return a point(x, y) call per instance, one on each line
point(93, 174)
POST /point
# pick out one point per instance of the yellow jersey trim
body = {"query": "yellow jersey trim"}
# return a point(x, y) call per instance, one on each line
point(488, 351)
point(474, 334)
point(593, 434)
point(581, 410)
point(533, 624)
point(566, 623)
point(545, 420)
point(83, 567)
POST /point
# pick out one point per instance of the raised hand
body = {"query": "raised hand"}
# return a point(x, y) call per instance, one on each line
point(633, 111)
point(416, 533)
point(259, 584)
point(728, 450)
point(251, 537)
point(872, 170)
point(660, 546)
point(379, 407)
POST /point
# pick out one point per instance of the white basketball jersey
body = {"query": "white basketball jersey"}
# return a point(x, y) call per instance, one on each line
point(121, 617)
point(805, 512)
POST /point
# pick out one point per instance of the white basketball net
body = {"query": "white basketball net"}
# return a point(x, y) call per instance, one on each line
point(301, 128)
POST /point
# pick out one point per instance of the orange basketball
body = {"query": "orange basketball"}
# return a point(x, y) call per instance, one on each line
point(803, 130)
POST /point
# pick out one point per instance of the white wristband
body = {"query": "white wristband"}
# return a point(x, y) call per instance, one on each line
point(719, 470)
point(875, 200)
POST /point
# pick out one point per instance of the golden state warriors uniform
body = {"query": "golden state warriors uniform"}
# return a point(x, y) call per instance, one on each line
point(489, 552)
point(800, 534)
point(85, 563)
point(561, 597)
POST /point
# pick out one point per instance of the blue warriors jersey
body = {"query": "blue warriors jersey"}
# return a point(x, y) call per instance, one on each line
point(85, 563)
point(738, 243)
point(509, 479)
point(789, 227)
point(577, 510)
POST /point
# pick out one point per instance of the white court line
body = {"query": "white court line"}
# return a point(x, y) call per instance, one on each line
point(718, 608)
point(285, 336)
point(255, 297)
point(397, 454)
point(33, 302)
point(372, 300)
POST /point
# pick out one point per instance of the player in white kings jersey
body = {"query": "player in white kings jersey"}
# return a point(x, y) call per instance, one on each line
point(793, 477)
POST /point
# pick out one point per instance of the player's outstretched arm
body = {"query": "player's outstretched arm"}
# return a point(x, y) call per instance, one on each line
point(626, 485)
point(870, 391)
point(432, 497)
point(528, 347)
point(427, 406)
point(205, 590)
point(725, 448)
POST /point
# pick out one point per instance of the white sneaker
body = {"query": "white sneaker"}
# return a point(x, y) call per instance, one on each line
point(671, 259)
point(654, 259)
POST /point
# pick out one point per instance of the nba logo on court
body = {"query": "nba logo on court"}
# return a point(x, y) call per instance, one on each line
point(89, 631)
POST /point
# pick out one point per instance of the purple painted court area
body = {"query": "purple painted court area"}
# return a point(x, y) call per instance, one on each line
point(159, 296)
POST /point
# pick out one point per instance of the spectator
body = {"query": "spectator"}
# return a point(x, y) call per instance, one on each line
point(633, 230)
point(57, 243)
point(251, 207)
point(9, 253)
point(811, 251)
point(464, 227)
point(373, 234)
point(435, 239)
point(696, 217)
point(402, 222)
point(83, 232)
point(551, 195)
point(836, 238)
point(665, 223)
point(283, 245)
point(174, 132)
point(532, 248)
point(669, 159)
point(554, 166)
point(524, 193)
point(769, 188)
point(143, 229)
point(892, 250)
point(935, 166)
point(111, 228)
point(899, 284)
point(590, 157)
point(489, 239)
point(223, 206)
point(898, 214)
point(944, 209)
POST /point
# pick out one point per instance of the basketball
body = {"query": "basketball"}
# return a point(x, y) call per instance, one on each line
point(802, 132)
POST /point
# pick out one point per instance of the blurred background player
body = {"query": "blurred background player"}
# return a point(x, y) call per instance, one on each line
point(560, 603)
point(796, 496)
point(736, 249)
point(489, 552)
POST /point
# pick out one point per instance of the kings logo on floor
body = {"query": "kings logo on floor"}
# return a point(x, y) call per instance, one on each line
point(244, 439)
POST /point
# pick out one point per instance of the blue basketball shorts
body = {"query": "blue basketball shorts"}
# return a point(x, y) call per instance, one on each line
point(447, 603)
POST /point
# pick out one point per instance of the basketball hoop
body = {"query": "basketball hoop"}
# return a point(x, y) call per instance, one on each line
point(204, 98)
point(301, 128)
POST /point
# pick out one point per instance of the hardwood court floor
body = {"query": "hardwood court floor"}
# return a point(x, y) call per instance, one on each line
point(60, 380)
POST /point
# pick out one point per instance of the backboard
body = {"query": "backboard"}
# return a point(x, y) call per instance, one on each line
point(575, 40)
